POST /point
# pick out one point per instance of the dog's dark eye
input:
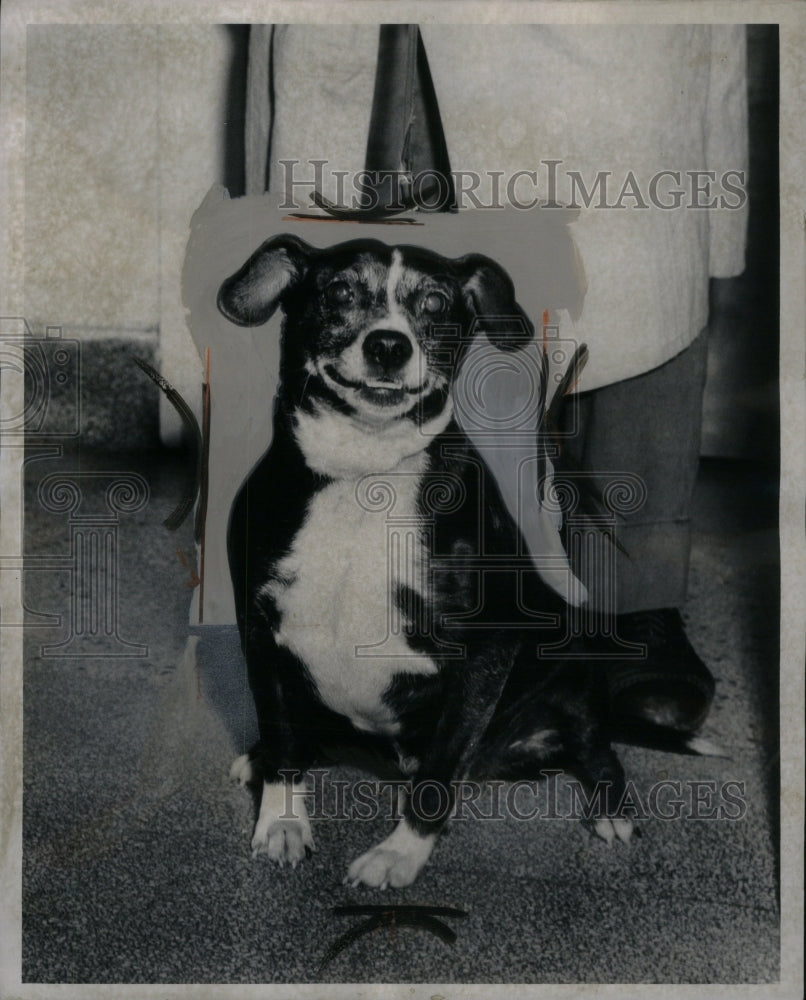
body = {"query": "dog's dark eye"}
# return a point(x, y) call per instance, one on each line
point(435, 303)
point(339, 293)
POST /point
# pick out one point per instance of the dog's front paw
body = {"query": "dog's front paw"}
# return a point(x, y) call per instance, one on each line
point(283, 830)
point(610, 829)
point(380, 868)
point(285, 840)
point(395, 862)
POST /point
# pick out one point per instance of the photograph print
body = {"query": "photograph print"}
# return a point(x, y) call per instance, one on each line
point(394, 411)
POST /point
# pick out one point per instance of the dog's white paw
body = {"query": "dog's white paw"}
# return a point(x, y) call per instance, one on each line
point(612, 829)
point(395, 862)
point(285, 840)
point(241, 770)
point(283, 830)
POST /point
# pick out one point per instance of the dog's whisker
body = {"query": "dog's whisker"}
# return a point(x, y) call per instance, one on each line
point(305, 386)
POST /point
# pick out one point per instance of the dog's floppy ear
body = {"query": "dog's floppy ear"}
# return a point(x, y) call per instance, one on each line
point(491, 295)
point(251, 295)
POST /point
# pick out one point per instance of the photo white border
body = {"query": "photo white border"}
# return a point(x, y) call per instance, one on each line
point(15, 16)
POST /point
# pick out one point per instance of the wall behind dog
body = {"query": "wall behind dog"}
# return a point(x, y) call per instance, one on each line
point(126, 129)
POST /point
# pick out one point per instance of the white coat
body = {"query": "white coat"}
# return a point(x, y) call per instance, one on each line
point(630, 108)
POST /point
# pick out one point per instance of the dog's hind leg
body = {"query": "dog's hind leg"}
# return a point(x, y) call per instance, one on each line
point(243, 769)
point(601, 775)
point(534, 734)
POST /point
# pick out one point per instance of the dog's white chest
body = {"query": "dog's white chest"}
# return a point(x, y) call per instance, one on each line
point(337, 597)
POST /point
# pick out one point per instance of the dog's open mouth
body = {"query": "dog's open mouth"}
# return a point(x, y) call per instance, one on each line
point(380, 391)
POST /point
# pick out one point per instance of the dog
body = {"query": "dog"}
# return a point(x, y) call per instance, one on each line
point(365, 445)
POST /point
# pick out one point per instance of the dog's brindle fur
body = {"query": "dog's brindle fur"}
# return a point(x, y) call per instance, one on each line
point(371, 342)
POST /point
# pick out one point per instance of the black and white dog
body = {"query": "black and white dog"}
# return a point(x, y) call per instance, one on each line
point(379, 594)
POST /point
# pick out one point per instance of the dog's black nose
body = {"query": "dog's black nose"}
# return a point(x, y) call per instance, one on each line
point(387, 348)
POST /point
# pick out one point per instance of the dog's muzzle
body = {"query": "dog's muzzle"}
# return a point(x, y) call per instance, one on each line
point(386, 351)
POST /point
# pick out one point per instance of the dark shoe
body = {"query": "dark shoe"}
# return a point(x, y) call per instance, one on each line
point(671, 687)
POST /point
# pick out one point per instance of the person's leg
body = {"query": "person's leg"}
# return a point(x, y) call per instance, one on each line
point(646, 427)
point(646, 431)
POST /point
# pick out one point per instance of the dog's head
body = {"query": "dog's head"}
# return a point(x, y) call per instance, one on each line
point(373, 331)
